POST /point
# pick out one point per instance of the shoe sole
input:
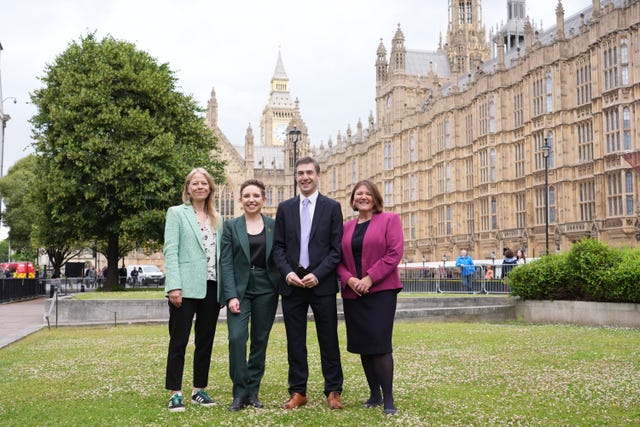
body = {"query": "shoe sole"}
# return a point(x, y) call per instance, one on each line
point(195, 402)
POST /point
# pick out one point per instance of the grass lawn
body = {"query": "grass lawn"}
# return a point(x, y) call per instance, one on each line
point(447, 374)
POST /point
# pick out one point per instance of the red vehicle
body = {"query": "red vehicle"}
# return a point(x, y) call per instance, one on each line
point(18, 270)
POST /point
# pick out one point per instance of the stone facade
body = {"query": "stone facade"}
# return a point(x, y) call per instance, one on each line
point(457, 142)
point(457, 147)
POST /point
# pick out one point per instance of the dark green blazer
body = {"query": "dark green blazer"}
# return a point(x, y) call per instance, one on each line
point(235, 258)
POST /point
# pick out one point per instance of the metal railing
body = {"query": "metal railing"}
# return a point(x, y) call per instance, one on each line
point(448, 279)
point(14, 289)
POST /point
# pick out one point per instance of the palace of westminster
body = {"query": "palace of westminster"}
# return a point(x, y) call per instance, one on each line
point(524, 138)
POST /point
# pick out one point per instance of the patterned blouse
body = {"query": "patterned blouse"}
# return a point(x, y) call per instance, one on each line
point(209, 240)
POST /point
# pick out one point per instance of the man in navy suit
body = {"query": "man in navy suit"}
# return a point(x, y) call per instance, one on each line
point(309, 273)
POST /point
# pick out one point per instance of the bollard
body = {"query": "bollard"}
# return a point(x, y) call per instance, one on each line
point(52, 290)
point(82, 287)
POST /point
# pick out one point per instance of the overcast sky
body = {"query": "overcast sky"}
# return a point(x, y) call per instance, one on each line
point(328, 49)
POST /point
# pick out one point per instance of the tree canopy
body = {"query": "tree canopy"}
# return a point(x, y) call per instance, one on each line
point(114, 139)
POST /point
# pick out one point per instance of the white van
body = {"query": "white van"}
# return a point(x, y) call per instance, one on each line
point(148, 275)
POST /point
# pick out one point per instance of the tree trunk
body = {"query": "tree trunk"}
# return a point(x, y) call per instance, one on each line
point(112, 263)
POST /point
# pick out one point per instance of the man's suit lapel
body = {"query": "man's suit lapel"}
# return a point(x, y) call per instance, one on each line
point(317, 216)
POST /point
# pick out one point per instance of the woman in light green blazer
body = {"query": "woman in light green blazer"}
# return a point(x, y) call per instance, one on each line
point(192, 251)
point(249, 289)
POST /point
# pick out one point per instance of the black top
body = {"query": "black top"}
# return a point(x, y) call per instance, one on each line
point(356, 245)
point(257, 248)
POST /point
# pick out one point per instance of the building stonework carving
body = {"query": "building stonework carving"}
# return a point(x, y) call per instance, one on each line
point(455, 142)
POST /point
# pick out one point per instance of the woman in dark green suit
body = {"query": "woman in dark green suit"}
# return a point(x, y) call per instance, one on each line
point(249, 289)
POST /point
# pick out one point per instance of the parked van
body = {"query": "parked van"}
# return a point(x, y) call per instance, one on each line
point(147, 275)
point(18, 270)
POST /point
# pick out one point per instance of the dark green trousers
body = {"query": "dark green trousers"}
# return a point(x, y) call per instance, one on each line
point(257, 311)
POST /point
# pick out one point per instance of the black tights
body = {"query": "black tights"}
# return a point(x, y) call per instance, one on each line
point(378, 368)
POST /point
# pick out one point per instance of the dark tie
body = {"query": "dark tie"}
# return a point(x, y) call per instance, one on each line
point(305, 230)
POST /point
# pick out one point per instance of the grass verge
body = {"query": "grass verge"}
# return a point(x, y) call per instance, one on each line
point(447, 374)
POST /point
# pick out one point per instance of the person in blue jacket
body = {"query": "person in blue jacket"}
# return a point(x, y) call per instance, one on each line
point(467, 268)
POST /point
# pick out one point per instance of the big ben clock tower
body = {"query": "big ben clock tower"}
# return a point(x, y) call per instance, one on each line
point(279, 110)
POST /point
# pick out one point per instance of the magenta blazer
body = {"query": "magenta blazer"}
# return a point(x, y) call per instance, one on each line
point(382, 251)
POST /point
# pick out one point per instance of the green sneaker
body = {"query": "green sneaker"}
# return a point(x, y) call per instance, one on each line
point(175, 403)
point(202, 398)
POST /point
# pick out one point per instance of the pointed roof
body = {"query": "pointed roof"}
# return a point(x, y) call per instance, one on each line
point(280, 73)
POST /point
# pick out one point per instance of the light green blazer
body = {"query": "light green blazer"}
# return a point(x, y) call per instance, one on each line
point(184, 256)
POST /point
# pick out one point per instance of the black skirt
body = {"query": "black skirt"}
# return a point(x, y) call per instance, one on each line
point(369, 321)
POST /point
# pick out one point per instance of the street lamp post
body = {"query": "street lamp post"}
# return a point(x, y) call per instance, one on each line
point(294, 137)
point(546, 149)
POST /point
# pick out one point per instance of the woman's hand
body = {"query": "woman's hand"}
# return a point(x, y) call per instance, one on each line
point(175, 298)
point(234, 305)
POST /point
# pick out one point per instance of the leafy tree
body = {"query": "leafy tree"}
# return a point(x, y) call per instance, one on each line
point(19, 213)
point(114, 140)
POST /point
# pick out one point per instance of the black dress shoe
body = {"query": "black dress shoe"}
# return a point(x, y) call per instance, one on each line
point(253, 401)
point(237, 404)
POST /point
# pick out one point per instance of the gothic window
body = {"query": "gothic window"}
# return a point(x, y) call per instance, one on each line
point(269, 194)
point(624, 62)
point(440, 170)
point(388, 193)
point(552, 204)
point(612, 130)
point(519, 159)
point(468, 129)
point(628, 181)
point(388, 156)
point(610, 66)
point(615, 193)
point(585, 142)
point(518, 110)
point(412, 226)
point(449, 227)
point(626, 128)
point(492, 116)
point(334, 179)
point(494, 214)
point(447, 133)
point(539, 142)
point(280, 194)
point(541, 203)
point(412, 147)
point(470, 172)
point(538, 97)
point(548, 92)
point(521, 210)
point(225, 202)
point(483, 162)
point(448, 178)
point(470, 219)
point(492, 165)
point(587, 200)
point(583, 84)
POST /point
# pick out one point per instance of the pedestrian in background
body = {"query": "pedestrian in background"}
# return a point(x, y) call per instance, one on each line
point(191, 249)
point(372, 248)
point(250, 291)
point(467, 269)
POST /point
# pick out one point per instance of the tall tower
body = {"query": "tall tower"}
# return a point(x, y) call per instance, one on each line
point(279, 109)
point(513, 32)
point(466, 45)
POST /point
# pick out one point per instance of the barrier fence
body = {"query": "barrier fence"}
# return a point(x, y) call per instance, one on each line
point(15, 289)
point(448, 279)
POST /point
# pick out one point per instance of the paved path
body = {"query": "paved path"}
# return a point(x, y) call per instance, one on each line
point(21, 318)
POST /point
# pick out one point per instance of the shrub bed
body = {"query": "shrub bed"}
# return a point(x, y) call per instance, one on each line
point(590, 271)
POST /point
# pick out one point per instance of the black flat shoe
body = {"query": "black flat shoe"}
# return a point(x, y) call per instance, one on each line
point(253, 401)
point(237, 404)
point(390, 411)
point(372, 404)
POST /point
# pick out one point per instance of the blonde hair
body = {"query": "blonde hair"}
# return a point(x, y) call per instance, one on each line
point(209, 203)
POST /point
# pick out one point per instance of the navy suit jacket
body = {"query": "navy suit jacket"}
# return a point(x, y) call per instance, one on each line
point(324, 243)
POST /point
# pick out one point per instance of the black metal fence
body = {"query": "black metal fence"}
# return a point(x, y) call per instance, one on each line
point(16, 289)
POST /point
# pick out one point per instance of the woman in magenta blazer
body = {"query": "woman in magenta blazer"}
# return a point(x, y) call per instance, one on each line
point(372, 248)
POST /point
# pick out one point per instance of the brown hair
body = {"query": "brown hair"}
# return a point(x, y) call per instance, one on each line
point(209, 203)
point(378, 204)
point(255, 182)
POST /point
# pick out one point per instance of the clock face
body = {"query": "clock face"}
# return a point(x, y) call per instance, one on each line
point(279, 133)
